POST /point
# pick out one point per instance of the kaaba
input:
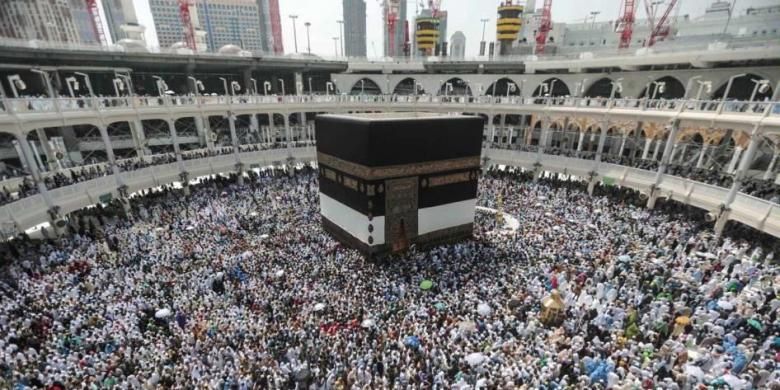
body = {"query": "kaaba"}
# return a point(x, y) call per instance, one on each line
point(391, 180)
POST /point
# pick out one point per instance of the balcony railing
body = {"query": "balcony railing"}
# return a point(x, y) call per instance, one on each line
point(28, 105)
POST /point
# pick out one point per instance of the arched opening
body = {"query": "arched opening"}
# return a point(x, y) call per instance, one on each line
point(552, 87)
point(57, 144)
point(406, 87)
point(536, 134)
point(298, 126)
point(743, 88)
point(244, 131)
point(91, 146)
point(121, 140)
point(365, 86)
point(220, 131)
point(277, 129)
point(455, 86)
point(591, 141)
point(666, 87)
point(185, 128)
point(502, 86)
point(691, 149)
point(556, 135)
point(601, 88)
point(11, 164)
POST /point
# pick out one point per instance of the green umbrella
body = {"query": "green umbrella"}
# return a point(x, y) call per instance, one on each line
point(426, 284)
point(440, 306)
point(754, 323)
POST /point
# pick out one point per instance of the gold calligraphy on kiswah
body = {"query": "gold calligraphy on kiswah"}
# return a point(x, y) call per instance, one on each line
point(390, 171)
point(448, 179)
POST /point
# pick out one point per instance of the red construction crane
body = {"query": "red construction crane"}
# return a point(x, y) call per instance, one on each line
point(97, 23)
point(545, 26)
point(659, 29)
point(186, 21)
point(392, 8)
point(625, 25)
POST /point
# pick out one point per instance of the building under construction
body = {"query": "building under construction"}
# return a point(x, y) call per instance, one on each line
point(508, 25)
point(430, 36)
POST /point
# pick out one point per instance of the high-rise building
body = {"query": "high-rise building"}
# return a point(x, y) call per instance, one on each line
point(115, 18)
point(458, 45)
point(226, 22)
point(395, 28)
point(122, 21)
point(65, 21)
point(354, 28)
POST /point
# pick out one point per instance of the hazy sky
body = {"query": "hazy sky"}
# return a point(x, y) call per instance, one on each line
point(464, 15)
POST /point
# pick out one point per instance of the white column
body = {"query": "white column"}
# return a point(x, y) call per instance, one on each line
point(702, 154)
point(667, 156)
point(503, 128)
point(207, 132)
point(646, 150)
point(270, 129)
point(139, 138)
point(27, 155)
point(107, 143)
point(580, 142)
point(233, 136)
point(734, 159)
point(175, 140)
point(657, 149)
point(287, 131)
point(682, 154)
point(111, 157)
point(254, 126)
point(492, 128)
point(622, 145)
point(51, 159)
point(674, 153)
point(542, 140)
point(768, 173)
point(521, 131)
point(739, 176)
point(602, 140)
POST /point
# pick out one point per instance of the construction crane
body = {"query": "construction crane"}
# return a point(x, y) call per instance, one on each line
point(625, 25)
point(391, 10)
point(545, 26)
point(658, 29)
point(435, 6)
point(186, 21)
point(97, 22)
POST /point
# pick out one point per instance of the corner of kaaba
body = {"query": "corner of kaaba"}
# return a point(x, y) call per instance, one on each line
point(391, 180)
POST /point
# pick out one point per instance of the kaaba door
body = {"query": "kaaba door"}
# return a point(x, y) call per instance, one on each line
point(400, 212)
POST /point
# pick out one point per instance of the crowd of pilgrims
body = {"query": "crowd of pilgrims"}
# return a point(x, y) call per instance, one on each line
point(754, 186)
point(238, 287)
point(99, 169)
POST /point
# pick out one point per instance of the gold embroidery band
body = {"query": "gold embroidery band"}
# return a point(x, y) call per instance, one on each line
point(461, 177)
point(414, 169)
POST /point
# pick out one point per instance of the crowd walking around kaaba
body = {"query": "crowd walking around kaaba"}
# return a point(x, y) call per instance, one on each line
point(238, 287)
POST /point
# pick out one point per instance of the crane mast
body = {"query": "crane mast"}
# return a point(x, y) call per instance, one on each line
point(661, 28)
point(545, 26)
point(186, 21)
point(625, 24)
point(96, 21)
